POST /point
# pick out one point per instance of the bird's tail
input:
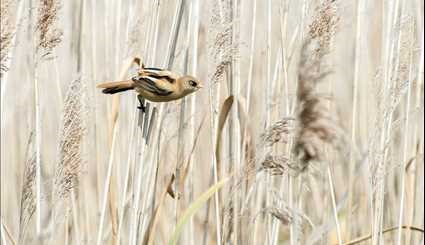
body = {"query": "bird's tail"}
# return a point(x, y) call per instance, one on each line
point(116, 87)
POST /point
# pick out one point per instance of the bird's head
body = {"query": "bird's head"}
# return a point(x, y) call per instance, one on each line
point(190, 84)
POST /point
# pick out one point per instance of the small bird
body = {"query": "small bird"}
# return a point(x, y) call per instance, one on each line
point(156, 85)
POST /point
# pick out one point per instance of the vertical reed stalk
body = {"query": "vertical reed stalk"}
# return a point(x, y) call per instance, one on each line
point(357, 64)
point(251, 55)
point(236, 127)
point(106, 187)
point(416, 138)
point(192, 103)
point(406, 131)
point(37, 155)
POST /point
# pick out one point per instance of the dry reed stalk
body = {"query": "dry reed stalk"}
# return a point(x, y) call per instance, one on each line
point(28, 198)
point(132, 151)
point(137, 32)
point(195, 26)
point(189, 161)
point(112, 190)
point(359, 43)
point(145, 124)
point(390, 94)
point(3, 236)
point(368, 237)
point(284, 9)
point(106, 188)
point(154, 133)
point(6, 231)
point(37, 152)
point(182, 134)
point(142, 118)
point(220, 53)
point(287, 52)
point(47, 38)
point(110, 183)
point(407, 56)
point(149, 156)
point(251, 55)
point(95, 77)
point(235, 123)
point(151, 230)
point(414, 175)
point(248, 170)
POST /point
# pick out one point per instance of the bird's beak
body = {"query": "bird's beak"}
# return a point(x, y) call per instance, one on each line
point(200, 86)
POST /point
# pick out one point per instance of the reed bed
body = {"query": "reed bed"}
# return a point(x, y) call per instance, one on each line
point(309, 128)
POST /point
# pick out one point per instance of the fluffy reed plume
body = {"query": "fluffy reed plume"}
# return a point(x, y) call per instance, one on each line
point(318, 125)
point(275, 164)
point(72, 133)
point(28, 204)
point(6, 34)
point(278, 132)
point(49, 36)
point(220, 45)
point(324, 25)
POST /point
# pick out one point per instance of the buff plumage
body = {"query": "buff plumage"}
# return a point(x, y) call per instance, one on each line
point(156, 85)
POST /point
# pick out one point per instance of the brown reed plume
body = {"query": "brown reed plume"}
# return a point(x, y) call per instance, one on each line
point(275, 164)
point(317, 124)
point(278, 132)
point(72, 132)
point(6, 34)
point(49, 36)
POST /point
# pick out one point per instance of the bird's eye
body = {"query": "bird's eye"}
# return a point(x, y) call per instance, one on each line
point(192, 83)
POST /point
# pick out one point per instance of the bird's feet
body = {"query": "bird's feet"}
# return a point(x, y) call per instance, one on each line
point(141, 106)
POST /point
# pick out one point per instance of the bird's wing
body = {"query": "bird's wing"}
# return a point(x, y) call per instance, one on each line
point(159, 74)
point(153, 85)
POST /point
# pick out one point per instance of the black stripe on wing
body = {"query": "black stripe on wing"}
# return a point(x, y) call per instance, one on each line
point(150, 86)
point(153, 69)
point(169, 79)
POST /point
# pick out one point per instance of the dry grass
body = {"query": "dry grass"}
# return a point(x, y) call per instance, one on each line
point(309, 129)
